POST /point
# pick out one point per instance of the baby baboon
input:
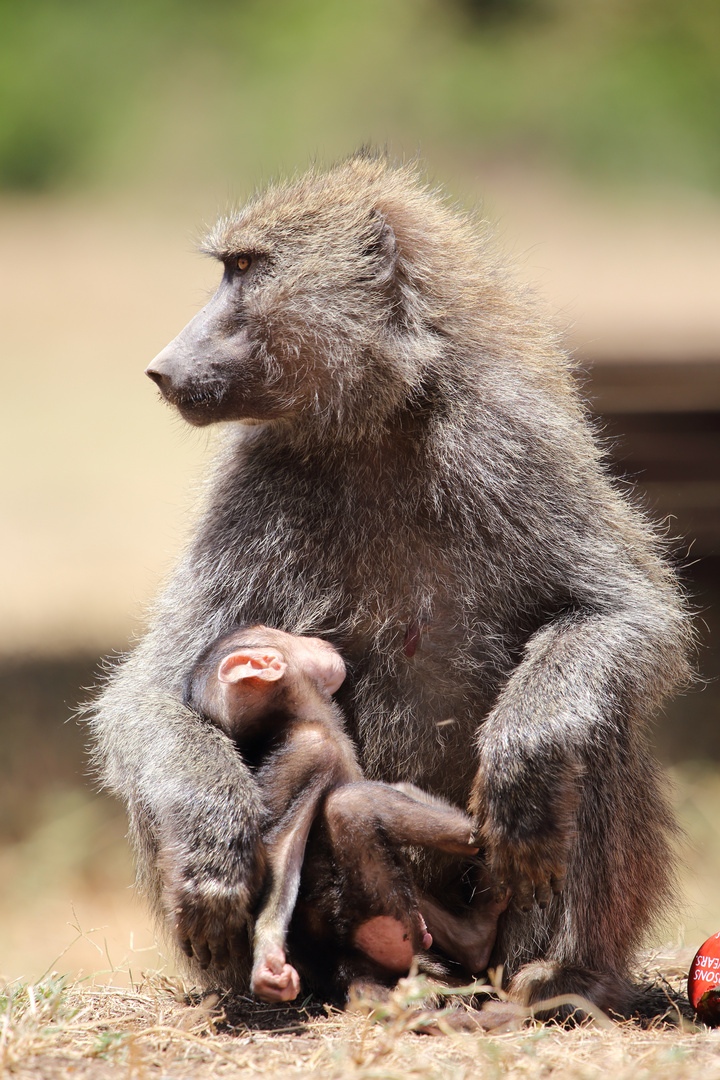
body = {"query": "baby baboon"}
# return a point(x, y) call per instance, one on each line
point(359, 916)
point(408, 473)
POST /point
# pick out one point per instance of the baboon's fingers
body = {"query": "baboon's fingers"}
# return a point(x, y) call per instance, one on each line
point(557, 883)
point(220, 953)
point(186, 946)
point(500, 890)
point(543, 894)
point(203, 953)
point(524, 895)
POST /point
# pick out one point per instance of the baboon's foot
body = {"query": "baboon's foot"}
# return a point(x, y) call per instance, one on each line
point(567, 988)
point(273, 979)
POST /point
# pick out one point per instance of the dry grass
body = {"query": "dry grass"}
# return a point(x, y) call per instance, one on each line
point(56, 1029)
point(143, 1026)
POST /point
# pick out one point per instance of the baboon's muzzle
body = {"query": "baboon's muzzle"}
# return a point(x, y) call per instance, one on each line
point(197, 370)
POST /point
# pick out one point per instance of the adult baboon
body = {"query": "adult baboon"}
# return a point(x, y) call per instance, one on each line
point(409, 474)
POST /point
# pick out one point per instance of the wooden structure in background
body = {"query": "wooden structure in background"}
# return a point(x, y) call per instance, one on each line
point(661, 421)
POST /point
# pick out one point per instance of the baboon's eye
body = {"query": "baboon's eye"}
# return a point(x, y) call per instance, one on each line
point(243, 263)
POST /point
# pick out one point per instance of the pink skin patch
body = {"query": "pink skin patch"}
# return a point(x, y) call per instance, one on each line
point(412, 639)
point(389, 942)
point(275, 980)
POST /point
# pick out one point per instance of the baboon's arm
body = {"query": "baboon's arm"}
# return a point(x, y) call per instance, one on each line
point(194, 808)
point(565, 712)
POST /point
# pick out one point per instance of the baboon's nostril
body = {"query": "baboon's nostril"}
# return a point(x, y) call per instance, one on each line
point(156, 376)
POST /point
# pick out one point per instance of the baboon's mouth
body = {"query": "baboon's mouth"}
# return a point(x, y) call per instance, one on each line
point(198, 407)
point(200, 412)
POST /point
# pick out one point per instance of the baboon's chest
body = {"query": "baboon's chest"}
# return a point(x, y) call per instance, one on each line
point(401, 600)
point(394, 590)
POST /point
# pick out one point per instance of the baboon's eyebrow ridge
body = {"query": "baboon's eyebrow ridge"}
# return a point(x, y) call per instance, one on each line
point(228, 249)
point(230, 237)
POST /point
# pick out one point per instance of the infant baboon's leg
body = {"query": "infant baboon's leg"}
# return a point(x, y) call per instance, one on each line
point(409, 816)
point(367, 822)
point(311, 760)
point(467, 938)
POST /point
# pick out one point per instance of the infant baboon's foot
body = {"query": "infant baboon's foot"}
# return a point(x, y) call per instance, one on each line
point(390, 942)
point(477, 933)
point(467, 936)
point(273, 979)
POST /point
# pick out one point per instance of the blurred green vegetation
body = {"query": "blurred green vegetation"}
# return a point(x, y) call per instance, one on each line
point(180, 91)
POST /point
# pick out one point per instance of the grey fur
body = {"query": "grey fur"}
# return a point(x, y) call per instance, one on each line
point(421, 466)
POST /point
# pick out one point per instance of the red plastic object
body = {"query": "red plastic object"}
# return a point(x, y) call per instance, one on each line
point(704, 981)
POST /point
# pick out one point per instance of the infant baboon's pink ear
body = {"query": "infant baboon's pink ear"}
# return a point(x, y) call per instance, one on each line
point(265, 665)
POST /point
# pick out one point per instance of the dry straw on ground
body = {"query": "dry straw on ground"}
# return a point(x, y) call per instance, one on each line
point(56, 1029)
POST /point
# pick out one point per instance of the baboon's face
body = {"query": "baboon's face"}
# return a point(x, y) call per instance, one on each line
point(297, 319)
point(218, 368)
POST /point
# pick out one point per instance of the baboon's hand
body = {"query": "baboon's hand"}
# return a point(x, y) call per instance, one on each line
point(526, 824)
point(210, 922)
point(208, 904)
point(529, 876)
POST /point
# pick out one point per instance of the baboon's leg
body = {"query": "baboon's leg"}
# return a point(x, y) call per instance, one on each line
point(311, 760)
point(367, 822)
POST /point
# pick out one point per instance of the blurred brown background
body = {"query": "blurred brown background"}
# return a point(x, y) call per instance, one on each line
point(587, 129)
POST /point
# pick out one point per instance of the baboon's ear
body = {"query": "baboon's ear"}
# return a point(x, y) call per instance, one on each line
point(251, 664)
point(382, 247)
point(386, 271)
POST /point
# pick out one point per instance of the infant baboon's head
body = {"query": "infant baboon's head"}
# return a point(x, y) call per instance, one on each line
point(256, 669)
